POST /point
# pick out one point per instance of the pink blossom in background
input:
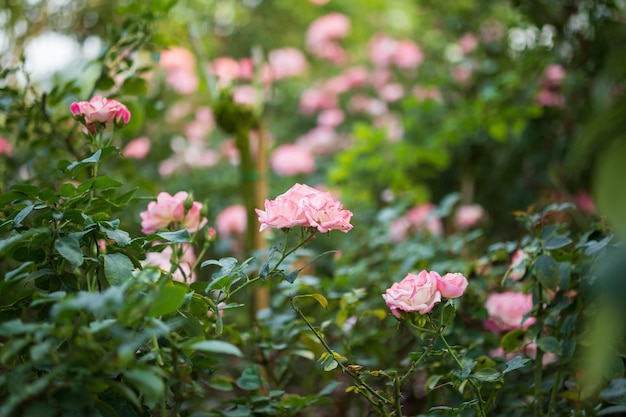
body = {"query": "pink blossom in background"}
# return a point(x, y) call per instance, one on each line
point(507, 310)
point(423, 217)
point(391, 92)
point(399, 230)
point(291, 159)
point(356, 76)
point(318, 2)
point(163, 261)
point(451, 285)
point(193, 220)
point(517, 267)
point(137, 148)
point(407, 55)
point(530, 350)
point(554, 75)
point(246, 68)
point(461, 74)
point(305, 206)
point(180, 66)
point(287, 62)
point(322, 36)
point(101, 110)
point(468, 43)
point(231, 221)
point(468, 215)
point(583, 201)
point(199, 128)
point(229, 151)
point(427, 93)
point(226, 69)
point(6, 147)
point(549, 98)
point(392, 124)
point(246, 95)
point(380, 77)
point(330, 117)
point(360, 103)
point(320, 140)
point(315, 99)
point(382, 49)
point(415, 293)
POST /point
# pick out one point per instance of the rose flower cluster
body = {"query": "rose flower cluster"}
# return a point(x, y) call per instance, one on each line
point(100, 111)
point(420, 292)
point(305, 206)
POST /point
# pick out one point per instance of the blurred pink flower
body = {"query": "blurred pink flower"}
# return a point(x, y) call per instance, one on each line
point(245, 95)
point(407, 55)
point(292, 159)
point(382, 49)
point(330, 117)
point(392, 125)
point(163, 261)
point(468, 43)
point(226, 69)
point(507, 310)
point(171, 209)
point(246, 68)
point(101, 110)
point(319, 140)
point(287, 62)
point(584, 202)
point(415, 293)
point(461, 74)
point(391, 92)
point(180, 66)
point(231, 221)
point(468, 215)
point(549, 98)
point(305, 206)
point(423, 217)
point(530, 350)
point(6, 147)
point(137, 148)
point(451, 285)
point(427, 93)
point(356, 76)
point(323, 33)
point(319, 2)
point(399, 230)
point(554, 75)
point(517, 268)
point(315, 99)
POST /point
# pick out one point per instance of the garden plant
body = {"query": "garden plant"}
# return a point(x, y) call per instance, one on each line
point(316, 208)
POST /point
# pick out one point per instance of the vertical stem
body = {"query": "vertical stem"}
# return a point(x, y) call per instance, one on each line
point(261, 294)
point(538, 412)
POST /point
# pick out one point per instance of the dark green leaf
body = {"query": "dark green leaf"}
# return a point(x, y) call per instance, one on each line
point(17, 221)
point(169, 299)
point(90, 160)
point(547, 271)
point(135, 86)
point(549, 344)
point(614, 409)
point(557, 243)
point(250, 379)
point(149, 384)
point(69, 248)
point(180, 236)
point(121, 237)
point(117, 268)
point(517, 362)
point(512, 340)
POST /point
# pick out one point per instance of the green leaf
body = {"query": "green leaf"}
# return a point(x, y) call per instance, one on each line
point(291, 276)
point(19, 217)
point(512, 340)
point(318, 297)
point(547, 271)
point(120, 237)
point(135, 86)
point(169, 299)
point(90, 160)
point(215, 346)
point(69, 248)
point(614, 409)
point(20, 272)
point(250, 379)
point(117, 268)
point(557, 243)
point(615, 393)
point(180, 236)
point(608, 188)
point(517, 362)
point(549, 344)
point(149, 384)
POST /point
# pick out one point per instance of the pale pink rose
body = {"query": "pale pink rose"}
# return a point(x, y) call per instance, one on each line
point(423, 217)
point(6, 147)
point(199, 157)
point(167, 209)
point(507, 310)
point(517, 267)
point(468, 43)
point(183, 82)
point(323, 33)
point(356, 76)
point(451, 285)
point(231, 221)
point(399, 229)
point(246, 95)
point(381, 77)
point(330, 117)
point(427, 93)
point(461, 74)
point(291, 159)
point(305, 206)
point(382, 49)
point(391, 124)
point(549, 98)
point(315, 99)
point(319, 140)
point(168, 167)
point(193, 220)
point(391, 92)
point(337, 85)
point(583, 201)
point(407, 55)
point(246, 68)
point(287, 62)
point(163, 261)
point(226, 69)
point(318, 2)
point(468, 215)
point(101, 110)
point(137, 148)
point(415, 293)
point(360, 103)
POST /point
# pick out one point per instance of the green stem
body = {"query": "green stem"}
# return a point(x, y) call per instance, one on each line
point(538, 397)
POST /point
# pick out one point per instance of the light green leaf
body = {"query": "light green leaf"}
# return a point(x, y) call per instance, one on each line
point(169, 299)
point(117, 268)
point(215, 346)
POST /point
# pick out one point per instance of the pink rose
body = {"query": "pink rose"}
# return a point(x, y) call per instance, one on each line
point(226, 69)
point(407, 55)
point(382, 49)
point(246, 95)
point(323, 33)
point(330, 117)
point(292, 159)
point(506, 311)
point(305, 206)
point(193, 220)
point(517, 268)
point(314, 99)
point(171, 209)
point(582, 199)
point(468, 215)
point(287, 62)
point(423, 217)
point(414, 293)
point(163, 261)
point(451, 285)
point(6, 148)
point(101, 110)
point(554, 75)
point(468, 43)
point(231, 221)
point(137, 148)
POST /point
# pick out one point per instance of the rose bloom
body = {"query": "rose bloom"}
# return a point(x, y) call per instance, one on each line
point(382, 49)
point(468, 215)
point(305, 206)
point(516, 268)
point(554, 75)
point(101, 110)
point(231, 221)
point(226, 69)
point(322, 33)
point(246, 95)
point(468, 43)
point(451, 285)
point(330, 117)
point(315, 99)
point(6, 148)
point(414, 293)
point(407, 55)
point(506, 311)
point(137, 148)
point(291, 159)
point(171, 209)
point(422, 217)
point(163, 261)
